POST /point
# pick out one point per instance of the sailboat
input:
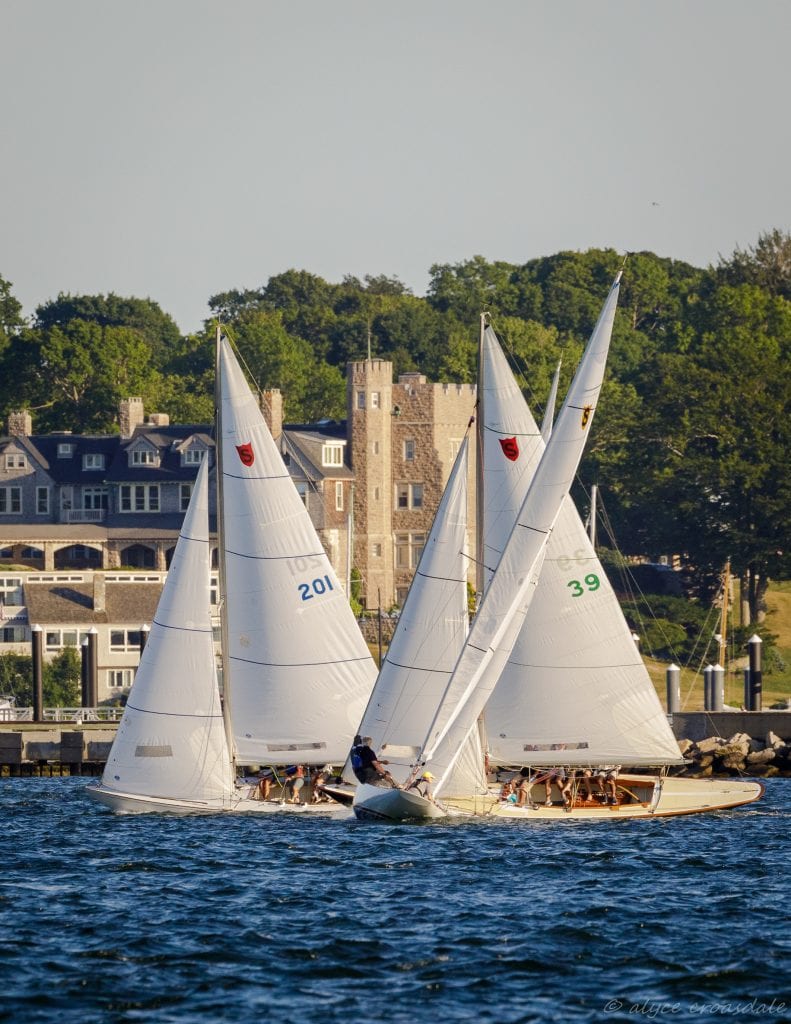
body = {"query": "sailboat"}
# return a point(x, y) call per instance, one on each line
point(573, 691)
point(296, 670)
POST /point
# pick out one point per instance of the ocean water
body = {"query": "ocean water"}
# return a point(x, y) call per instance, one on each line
point(284, 919)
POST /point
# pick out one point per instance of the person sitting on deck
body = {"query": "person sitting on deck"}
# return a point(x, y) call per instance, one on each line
point(557, 775)
point(607, 777)
point(266, 779)
point(366, 765)
point(295, 780)
point(523, 786)
point(321, 777)
point(508, 791)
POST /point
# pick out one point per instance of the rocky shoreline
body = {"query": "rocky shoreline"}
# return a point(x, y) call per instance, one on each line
point(740, 754)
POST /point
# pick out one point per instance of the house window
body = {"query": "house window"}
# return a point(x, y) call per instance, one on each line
point(338, 496)
point(65, 451)
point(185, 493)
point(360, 399)
point(123, 641)
point(409, 451)
point(409, 548)
point(10, 501)
point(409, 496)
point(374, 399)
point(42, 501)
point(193, 457)
point(93, 460)
point(143, 457)
point(302, 491)
point(15, 461)
point(11, 592)
point(332, 455)
point(94, 497)
point(139, 497)
point(12, 635)
point(119, 678)
point(57, 639)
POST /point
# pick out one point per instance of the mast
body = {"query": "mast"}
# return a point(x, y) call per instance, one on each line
point(218, 463)
point(480, 570)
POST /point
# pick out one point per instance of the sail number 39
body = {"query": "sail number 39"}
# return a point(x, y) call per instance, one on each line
point(591, 582)
point(315, 588)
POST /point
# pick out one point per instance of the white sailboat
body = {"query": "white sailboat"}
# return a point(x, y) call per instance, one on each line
point(574, 691)
point(296, 670)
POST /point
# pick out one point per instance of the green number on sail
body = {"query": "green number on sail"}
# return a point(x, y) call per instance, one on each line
point(592, 582)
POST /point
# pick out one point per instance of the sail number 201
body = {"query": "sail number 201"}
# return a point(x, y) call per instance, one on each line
point(315, 588)
point(591, 582)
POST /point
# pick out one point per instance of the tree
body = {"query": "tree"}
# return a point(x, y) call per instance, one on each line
point(766, 264)
point(61, 680)
point(11, 319)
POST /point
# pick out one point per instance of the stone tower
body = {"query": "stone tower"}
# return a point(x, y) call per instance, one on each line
point(369, 425)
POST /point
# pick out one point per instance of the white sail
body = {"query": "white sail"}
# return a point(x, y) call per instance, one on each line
point(429, 636)
point(299, 670)
point(575, 689)
point(502, 612)
point(171, 740)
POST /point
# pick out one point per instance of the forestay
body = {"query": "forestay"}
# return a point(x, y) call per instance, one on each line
point(161, 749)
point(299, 671)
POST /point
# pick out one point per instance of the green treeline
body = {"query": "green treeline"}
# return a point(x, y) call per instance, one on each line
point(690, 444)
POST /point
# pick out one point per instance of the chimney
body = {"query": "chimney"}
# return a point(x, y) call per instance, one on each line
point(159, 419)
point(272, 408)
point(20, 423)
point(130, 415)
point(99, 592)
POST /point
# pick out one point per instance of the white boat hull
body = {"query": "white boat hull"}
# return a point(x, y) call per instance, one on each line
point(376, 803)
point(131, 803)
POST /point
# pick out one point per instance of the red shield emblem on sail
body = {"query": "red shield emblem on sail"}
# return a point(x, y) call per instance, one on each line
point(510, 448)
point(246, 454)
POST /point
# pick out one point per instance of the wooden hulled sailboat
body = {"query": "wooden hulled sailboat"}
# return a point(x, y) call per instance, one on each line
point(562, 682)
point(296, 670)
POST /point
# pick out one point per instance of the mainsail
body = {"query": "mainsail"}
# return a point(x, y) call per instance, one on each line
point(171, 740)
point(297, 669)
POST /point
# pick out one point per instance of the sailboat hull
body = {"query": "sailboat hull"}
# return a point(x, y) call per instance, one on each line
point(130, 803)
point(375, 803)
point(639, 796)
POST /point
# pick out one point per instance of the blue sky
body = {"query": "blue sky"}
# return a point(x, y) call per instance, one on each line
point(173, 149)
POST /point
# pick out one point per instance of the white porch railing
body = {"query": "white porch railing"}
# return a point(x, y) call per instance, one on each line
point(85, 515)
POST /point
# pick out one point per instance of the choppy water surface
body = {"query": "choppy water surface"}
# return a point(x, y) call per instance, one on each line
point(284, 919)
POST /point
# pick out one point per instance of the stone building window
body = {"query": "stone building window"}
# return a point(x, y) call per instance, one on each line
point(409, 548)
point(360, 399)
point(376, 550)
point(375, 447)
point(338, 495)
point(409, 496)
point(409, 451)
point(374, 399)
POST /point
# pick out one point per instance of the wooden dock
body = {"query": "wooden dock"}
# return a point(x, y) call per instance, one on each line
point(55, 748)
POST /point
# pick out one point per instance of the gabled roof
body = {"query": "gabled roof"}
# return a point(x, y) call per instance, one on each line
point(305, 443)
point(43, 449)
point(169, 442)
point(125, 603)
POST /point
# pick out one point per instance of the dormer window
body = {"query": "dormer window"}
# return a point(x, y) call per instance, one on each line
point(65, 450)
point(93, 460)
point(193, 456)
point(142, 457)
point(332, 455)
